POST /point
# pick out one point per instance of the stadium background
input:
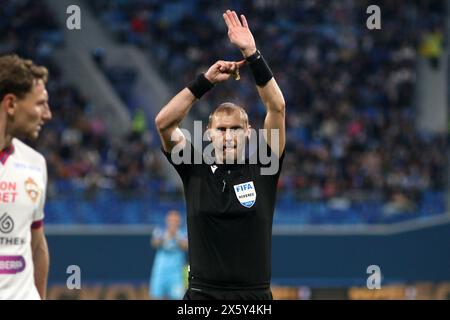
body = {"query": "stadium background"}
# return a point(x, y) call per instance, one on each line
point(365, 180)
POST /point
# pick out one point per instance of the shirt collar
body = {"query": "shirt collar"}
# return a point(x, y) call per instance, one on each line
point(5, 153)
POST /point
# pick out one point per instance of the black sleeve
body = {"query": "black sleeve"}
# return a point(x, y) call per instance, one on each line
point(181, 161)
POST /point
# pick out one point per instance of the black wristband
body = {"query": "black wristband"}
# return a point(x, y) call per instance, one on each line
point(200, 85)
point(254, 57)
point(260, 69)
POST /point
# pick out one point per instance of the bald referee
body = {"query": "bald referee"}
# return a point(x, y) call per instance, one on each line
point(230, 203)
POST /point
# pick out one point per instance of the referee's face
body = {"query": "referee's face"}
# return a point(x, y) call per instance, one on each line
point(228, 132)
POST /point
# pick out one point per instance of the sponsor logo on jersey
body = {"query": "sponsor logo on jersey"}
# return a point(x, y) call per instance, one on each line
point(8, 192)
point(11, 264)
point(26, 166)
point(246, 193)
point(6, 223)
point(32, 189)
point(12, 241)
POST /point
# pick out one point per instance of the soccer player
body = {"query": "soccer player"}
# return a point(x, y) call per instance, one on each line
point(230, 207)
point(24, 257)
point(167, 278)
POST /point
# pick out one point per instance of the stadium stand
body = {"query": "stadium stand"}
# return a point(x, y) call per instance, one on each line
point(354, 154)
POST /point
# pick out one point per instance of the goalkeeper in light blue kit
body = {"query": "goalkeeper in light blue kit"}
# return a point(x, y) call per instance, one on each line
point(167, 278)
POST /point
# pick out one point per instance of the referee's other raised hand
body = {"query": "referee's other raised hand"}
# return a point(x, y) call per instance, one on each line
point(223, 70)
point(239, 33)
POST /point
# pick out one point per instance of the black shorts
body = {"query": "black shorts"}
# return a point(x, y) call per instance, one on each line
point(197, 293)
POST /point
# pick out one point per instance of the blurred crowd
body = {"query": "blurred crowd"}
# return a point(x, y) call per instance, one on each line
point(349, 90)
point(80, 155)
point(349, 93)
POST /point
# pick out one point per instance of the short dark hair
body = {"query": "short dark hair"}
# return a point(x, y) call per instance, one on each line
point(18, 75)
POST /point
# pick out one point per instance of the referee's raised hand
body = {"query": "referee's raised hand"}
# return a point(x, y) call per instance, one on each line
point(222, 70)
point(239, 33)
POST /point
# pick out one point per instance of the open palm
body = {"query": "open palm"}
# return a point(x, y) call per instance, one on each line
point(239, 33)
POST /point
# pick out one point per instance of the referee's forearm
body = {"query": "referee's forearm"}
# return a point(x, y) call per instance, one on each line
point(175, 111)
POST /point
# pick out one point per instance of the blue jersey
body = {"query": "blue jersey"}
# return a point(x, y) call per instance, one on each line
point(169, 256)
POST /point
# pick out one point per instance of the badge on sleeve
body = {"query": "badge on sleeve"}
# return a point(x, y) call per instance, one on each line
point(245, 193)
point(32, 189)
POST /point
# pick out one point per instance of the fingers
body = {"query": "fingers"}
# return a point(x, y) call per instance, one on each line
point(241, 63)
point(229, 66)
point(244, 21)
point(236, 20)
point(225, 66)
point(227, 20)
point(223, 70)
point(234, 66)
point(231, 19)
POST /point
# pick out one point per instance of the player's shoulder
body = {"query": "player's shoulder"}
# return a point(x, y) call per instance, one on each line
point(25, 152)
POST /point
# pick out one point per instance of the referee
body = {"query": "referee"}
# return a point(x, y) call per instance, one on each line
point(230, 204)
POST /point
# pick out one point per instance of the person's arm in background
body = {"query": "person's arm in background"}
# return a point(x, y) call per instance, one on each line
point(41, 260)
point(268, 89)
point(168, 119)
point(157, 238)
point(182, 243)
point(156, 242)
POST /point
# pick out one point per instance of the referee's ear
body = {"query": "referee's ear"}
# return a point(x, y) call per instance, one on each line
point(208, 134)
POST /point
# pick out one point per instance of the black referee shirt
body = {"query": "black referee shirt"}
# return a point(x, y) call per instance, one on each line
point(229, 218)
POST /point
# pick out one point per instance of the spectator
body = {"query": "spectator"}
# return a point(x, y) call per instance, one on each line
point(167, 277)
